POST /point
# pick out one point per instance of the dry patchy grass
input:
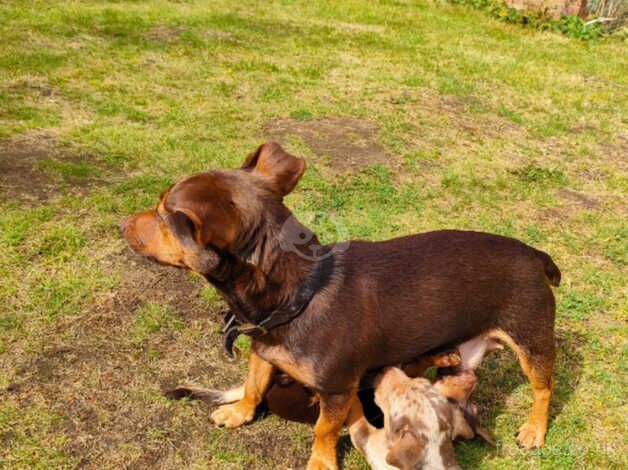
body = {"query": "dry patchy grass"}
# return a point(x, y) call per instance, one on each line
point(413, 115)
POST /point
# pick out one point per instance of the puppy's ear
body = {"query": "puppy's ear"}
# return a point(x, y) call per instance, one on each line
point(278, 166)
point(461, 427)
point(384, 384)
point(407, 451)
point(390, 377)
point(472, 421)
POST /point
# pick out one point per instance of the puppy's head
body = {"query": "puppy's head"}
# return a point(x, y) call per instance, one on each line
point(404, 403)
point(214, 211)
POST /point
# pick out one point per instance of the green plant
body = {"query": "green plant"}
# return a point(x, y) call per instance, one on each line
point(570, 25)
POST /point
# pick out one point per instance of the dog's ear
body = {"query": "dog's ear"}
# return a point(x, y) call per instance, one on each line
point(407, 451)
point(467, 424)
point(278, 166)
point(385, 383)
point(461, 428)
point(203, 205)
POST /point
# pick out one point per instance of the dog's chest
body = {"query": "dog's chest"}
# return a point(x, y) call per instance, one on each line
point(302, 371)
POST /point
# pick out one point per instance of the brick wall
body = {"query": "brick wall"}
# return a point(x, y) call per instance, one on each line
point(553, 8)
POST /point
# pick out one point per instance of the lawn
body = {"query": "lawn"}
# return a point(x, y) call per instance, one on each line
point(413, 116)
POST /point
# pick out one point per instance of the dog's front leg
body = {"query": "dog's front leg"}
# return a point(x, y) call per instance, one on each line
point(257, 382)
point(334, 411)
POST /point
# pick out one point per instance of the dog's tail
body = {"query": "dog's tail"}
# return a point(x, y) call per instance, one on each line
point(552, 273)
point(208, 395)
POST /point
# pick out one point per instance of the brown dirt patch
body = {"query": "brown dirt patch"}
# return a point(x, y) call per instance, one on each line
point(617, 150)
point(551, 215)
point(23, 173)
point(456, 112)
point(35, 86)
point(147, 281)
point(164, 33)
point(346, 143)
point(574, 202)
point(580, 199)
point(108, 390)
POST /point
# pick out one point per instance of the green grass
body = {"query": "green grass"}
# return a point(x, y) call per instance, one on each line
point(152, 318)
point(487, 126)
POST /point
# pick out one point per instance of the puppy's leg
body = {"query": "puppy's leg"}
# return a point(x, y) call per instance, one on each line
point(257, 382)
point(450, 358)
point(360, 429)
point(334, 411)
point(536, 357)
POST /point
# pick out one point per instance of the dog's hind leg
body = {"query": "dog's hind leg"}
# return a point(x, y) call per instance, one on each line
point(536, 357)
point(208, 395)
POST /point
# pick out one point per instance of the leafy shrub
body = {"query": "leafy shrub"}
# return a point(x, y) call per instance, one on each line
point(570, 25)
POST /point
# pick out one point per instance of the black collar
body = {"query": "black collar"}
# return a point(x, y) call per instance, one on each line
point(237, 321)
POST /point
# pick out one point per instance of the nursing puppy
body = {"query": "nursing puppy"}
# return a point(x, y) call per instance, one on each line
point(421, 419)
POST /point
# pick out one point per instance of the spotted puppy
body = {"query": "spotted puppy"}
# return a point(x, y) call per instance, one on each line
point(421, 419)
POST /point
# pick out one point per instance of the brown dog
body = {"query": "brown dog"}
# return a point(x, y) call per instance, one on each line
point(327, 314)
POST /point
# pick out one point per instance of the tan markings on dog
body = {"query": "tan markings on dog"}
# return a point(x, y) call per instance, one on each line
point(420, 367)
point(458, 386)
point(532, 432)
point(301, 371)
point(259, 378)
point(148, 235)
point(334, 411)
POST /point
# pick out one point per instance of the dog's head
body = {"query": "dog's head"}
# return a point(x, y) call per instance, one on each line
point(405, 404)
point(217, 211)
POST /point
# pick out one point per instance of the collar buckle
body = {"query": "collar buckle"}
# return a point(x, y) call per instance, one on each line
point(252, 330)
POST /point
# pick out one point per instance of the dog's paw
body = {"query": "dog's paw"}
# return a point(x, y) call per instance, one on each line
point(447, 359)
point(321, 462)
point(234, 415)
point(531, 434)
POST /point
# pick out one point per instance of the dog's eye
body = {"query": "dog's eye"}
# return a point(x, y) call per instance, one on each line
point(188, 224)
point(180, 224)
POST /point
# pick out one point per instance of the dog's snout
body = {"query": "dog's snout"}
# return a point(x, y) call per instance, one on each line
point(124, 225)
point(129, 234)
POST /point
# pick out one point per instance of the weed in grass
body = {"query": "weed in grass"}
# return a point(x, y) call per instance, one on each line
point(26, 437)
point(153, 318)
point(69, 170)
point(538, 175)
